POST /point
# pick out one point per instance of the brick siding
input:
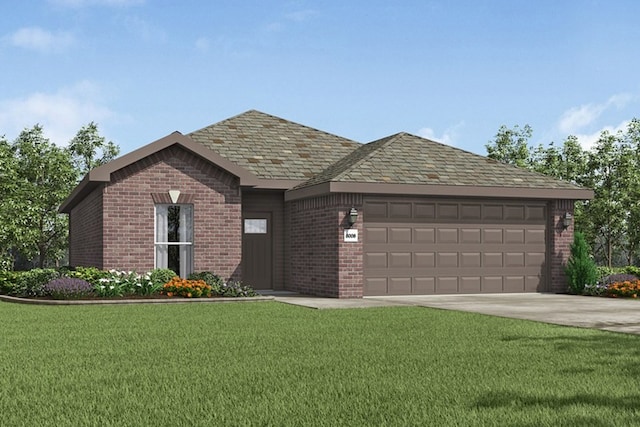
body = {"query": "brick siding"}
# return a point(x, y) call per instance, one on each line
point(561, 240)
point(319, 262)
point(85, 231)
point(128, 213)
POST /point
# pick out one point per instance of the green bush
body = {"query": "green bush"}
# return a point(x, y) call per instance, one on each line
point(31, 283)
point(581, 271)
point(210, 279)
point(89, 274)
point(8, 281)
point(160, 276)
point(237, 289)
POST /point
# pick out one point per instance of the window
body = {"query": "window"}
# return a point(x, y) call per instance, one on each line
point(174, 238)
point(255, 226)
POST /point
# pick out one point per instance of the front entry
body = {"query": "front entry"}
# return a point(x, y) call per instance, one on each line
point(257, 250)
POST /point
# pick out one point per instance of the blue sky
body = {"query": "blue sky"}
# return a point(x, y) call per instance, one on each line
point(453, 71)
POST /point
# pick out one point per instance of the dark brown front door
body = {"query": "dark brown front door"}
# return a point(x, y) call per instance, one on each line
point(257, 250)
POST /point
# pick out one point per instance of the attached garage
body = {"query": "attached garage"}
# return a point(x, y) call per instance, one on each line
point(427, 246)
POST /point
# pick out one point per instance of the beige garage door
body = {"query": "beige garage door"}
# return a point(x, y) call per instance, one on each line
point(447, 247)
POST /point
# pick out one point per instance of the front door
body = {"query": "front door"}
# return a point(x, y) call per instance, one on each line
point(257, 250)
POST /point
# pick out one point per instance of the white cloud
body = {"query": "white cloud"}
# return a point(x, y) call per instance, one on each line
point(61, 114)
point(587, 141)
point(39, 39)
point(577, 118)
point(449, 136)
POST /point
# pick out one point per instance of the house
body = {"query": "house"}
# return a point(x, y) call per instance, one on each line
point(280, 205)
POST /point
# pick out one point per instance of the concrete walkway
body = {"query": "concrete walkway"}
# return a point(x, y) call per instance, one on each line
point(611, 314)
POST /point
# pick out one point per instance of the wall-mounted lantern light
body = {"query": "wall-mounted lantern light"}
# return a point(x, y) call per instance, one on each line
point(566, 220)
point(353, 216)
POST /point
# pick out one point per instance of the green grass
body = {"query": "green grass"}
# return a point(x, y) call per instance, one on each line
point(275, 364)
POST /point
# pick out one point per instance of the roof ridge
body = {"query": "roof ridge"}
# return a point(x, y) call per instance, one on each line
point(277, 118)
point(383, 142)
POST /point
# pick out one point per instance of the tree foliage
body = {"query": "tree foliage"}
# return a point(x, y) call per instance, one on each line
point(90, 150)
point(611, 221)
point(36, 176)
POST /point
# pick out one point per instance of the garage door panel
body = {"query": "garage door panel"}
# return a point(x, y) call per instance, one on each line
point(470, 235)
point(424, 235)
point(533, 284)
point(491, 284)
point(492, 235)
point(376, 285)
point(492, 212)
point(400, 235)
point(424, 285)
point(447, 235)
point(447, 259)
point(514, 259)
point(399, 210)
point(533, 236)
point(513, 284)
point(425, 210)
point(377, 210)
point(375, 260)
point(446, 285)
point(447, 211)
point(400, 285)
point(424, 259)
point(376, 234)
point(471, 211)
point(534, 259)
point(470, 285)
point(492, 259)
point(512, 236)
point(514, 212)
point(536, 213)
point(400, 259)
point(470, 259)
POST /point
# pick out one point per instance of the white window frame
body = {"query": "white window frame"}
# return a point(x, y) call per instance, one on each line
point(186, 262)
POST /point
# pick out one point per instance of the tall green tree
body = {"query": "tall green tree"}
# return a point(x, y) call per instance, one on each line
point(89, 150)
point(511, 145)
point(44, 176)
point(8, 187)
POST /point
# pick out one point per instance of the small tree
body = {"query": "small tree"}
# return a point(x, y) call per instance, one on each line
point(580, 270)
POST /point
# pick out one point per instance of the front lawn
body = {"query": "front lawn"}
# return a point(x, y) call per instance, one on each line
point(276, 364)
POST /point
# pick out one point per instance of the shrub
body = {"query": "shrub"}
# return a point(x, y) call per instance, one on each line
point(31, 283)
point(8, 281)
point(210, 279)
point(160, 276)
point(68, 288)
point(89, 274)
point(237, 289)
point(186, 288)
point(580, 270)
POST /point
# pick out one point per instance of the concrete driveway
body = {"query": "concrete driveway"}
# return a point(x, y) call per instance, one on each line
point(610, 314)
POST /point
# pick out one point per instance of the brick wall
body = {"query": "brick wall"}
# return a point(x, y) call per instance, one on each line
point(318, 261)
point(85, 231)
point(560, 243)
point(128, 213)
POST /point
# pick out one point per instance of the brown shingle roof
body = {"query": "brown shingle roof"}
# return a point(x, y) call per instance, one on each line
point(408, 159)
point(274, 148)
